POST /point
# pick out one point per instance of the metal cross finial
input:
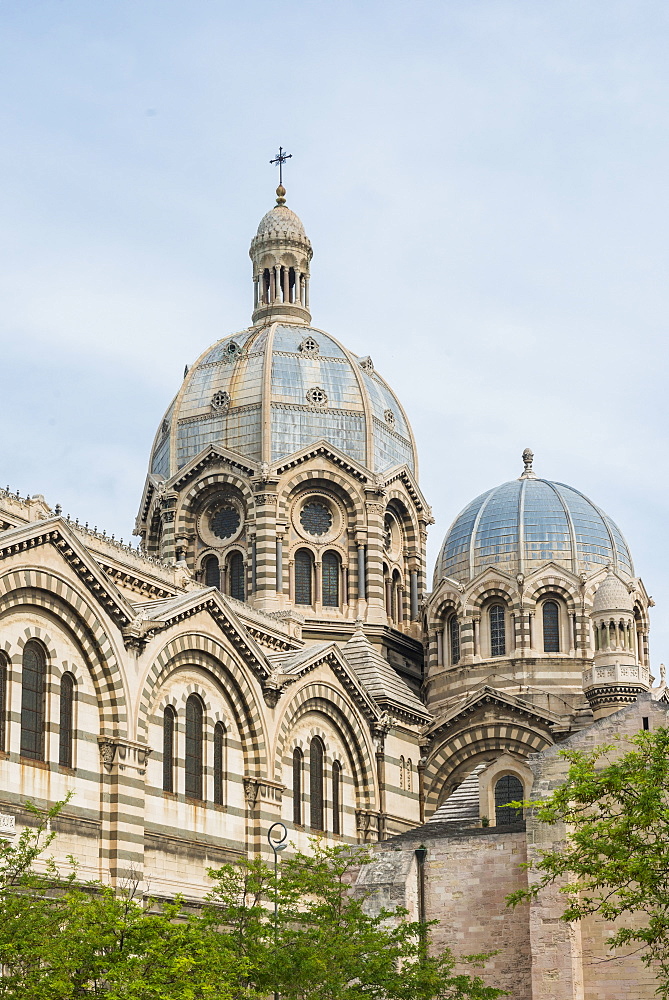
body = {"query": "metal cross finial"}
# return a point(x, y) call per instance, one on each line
point(280, 159)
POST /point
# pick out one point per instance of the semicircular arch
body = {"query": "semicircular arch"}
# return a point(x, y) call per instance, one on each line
point(201, 651)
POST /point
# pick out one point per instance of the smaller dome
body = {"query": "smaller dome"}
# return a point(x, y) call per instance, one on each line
point(280, 221)
point(612, 595)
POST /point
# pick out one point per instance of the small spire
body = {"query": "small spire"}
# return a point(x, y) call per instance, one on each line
point(528, 459)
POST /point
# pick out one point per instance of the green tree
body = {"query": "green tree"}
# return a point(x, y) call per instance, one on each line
point(324, 944)
point(614, 859)
point(61, 940)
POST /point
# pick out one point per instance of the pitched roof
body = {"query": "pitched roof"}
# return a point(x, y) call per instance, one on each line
point(380, 679)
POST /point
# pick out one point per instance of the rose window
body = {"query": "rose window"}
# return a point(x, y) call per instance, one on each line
point(225, 521)
point(317, 396)
point(316, 518)
point(220, 400)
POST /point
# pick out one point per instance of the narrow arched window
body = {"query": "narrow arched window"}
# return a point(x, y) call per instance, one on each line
point(236, 576)
point(454, 639)
point(316, 759)
point(497, 631)
point(3, 701)
point(33, 688)
point(330, 584)
point(194, 747)
point(212, 572)
point(401, 773)
point(336, 797)
point(508, 789)
point(551, 623)
point(169, 741)
point(297, 786)
point(303, 576)
point(66, 720)
point(409, 775)
point(219, 771)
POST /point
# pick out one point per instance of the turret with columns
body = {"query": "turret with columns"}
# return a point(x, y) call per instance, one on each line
point(616, 677)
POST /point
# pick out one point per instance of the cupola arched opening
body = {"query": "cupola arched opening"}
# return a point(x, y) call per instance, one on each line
point(236, 576)
point(550, 621)
point(169, 746)
point(298, 760)
point(212, 572)
point(219, 764)
point(497, 621)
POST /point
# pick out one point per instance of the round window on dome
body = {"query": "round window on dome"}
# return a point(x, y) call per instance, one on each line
point(224, 522)
point(316, 518)
point(317, 396)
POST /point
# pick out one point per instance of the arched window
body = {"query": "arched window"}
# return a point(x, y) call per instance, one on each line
point(66, 720)
point(194, 747)
point(497, 632)
point(297, 786)
point(316, 758)
point(169, 740)
point(508, 789)
point(330, 584)
point(3, 701)
point(304, 564)
point(454, 639)
point(409, 775)
point(401, 773)
point(551, 623)
point(219, 772)
point(33, 686)
point(236, 576)
point(396, 609)
point(212, 572)
point(336, 797)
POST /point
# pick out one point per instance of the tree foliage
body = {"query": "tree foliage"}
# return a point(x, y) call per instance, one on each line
point(61, 939)
point(614, 860)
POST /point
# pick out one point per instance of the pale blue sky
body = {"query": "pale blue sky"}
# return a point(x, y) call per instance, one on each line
point(485, 186)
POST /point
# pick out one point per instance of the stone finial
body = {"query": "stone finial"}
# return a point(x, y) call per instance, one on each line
point(281, 195)
point(528, 458)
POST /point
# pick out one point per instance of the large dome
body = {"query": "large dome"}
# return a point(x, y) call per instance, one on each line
point(523, 524)
point(270, 391)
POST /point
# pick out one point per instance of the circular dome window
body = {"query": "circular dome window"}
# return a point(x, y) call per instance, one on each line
point(316, 518)
point(224, 522)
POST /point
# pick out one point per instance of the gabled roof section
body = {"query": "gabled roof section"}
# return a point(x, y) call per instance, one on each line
point(289, 668)
point(404, 474)
point(487, 696)
point(56, 532)
point(381, 681)
point(212, 453)
point(154, 616)
point(324, 448)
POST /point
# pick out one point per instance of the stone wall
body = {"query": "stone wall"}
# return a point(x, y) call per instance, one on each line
point(468, 874)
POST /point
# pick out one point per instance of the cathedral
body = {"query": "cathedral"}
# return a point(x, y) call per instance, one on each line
point(276, 648)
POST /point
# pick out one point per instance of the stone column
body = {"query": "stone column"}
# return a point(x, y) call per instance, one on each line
point(362, 571)
point(122, 790)
point(413, 583)
point(375, 510)
point(440, 648)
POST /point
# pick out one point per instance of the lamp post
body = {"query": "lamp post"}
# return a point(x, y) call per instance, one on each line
point(277, 837)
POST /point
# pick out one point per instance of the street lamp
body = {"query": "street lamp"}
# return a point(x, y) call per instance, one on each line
point(277, 836)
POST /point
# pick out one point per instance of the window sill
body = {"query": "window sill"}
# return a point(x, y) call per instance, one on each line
point(42, 764)
point(63, 769)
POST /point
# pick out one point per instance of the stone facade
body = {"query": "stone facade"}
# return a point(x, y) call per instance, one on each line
point(270, 651)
